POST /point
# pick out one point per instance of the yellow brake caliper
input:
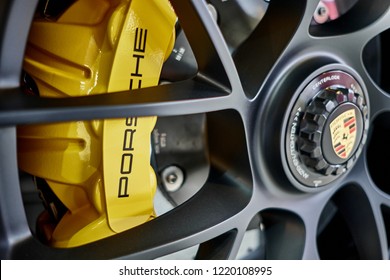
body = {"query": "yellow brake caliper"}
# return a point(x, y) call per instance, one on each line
point(99, 170)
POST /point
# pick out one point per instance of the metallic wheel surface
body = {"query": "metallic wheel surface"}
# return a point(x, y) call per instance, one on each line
point(242, 101)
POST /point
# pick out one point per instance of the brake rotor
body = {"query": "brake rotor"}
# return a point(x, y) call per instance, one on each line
point(99, 171)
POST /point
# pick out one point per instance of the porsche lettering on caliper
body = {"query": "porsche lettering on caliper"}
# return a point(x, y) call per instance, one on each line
point(99, 170)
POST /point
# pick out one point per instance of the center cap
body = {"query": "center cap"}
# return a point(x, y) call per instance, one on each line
point(326, 129)
point(343, 133)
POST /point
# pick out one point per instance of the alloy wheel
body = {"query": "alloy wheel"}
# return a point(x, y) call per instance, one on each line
point(247, 98)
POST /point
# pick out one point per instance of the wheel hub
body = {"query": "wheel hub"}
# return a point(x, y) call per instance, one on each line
point(326, 128)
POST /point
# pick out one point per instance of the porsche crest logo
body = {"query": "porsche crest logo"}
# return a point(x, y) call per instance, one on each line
point(343, 133)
